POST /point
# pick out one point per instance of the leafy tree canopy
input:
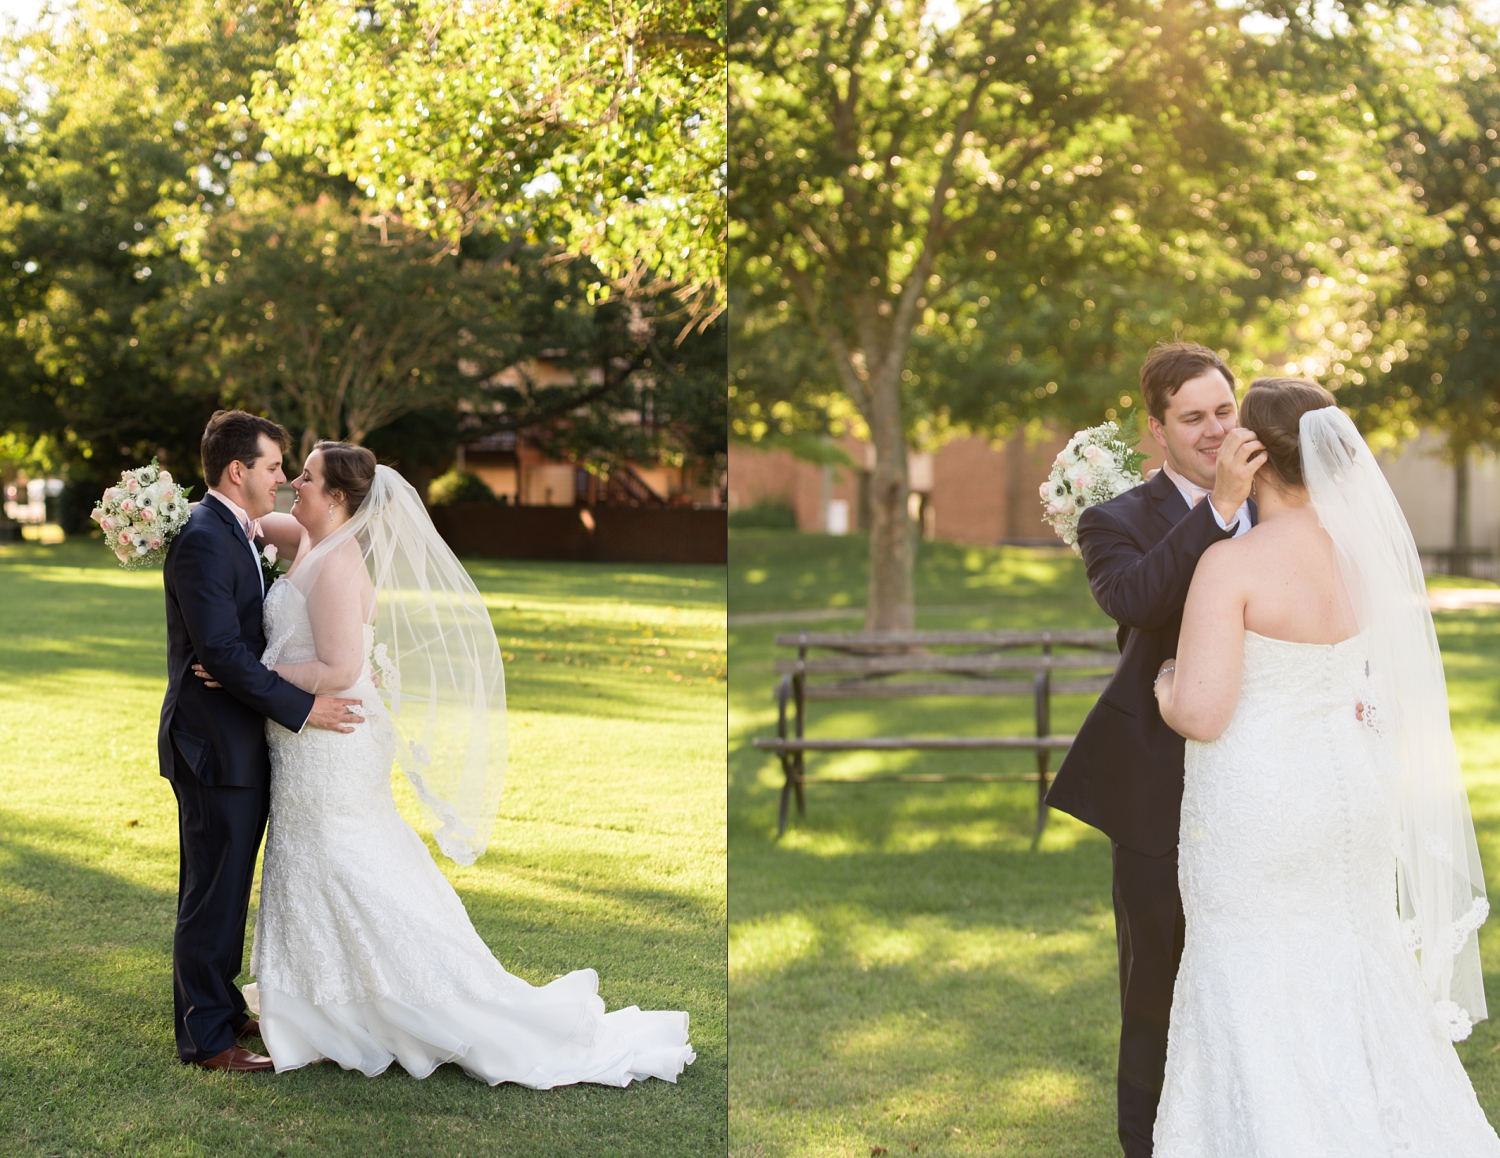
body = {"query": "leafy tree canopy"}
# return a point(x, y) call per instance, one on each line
point(124, 119)
point(158, 260)
point(968, 215)
point(596, 125)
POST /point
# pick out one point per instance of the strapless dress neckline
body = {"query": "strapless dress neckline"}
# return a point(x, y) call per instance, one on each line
point(1301, 643)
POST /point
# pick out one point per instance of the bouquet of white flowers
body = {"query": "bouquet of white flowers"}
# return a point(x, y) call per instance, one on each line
point(141, 514)
point(1096, 465)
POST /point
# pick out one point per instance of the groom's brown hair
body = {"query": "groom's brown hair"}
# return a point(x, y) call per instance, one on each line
point(1169, 365)
point(234, 436)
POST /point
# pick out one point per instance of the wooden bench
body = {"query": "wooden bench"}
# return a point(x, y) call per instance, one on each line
point(863, 665)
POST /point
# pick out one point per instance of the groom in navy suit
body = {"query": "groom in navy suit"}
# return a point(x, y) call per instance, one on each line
point(1123, 774)
point(212, 740)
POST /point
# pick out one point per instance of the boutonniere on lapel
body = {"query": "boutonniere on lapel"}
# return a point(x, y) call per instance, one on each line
point(270, 566)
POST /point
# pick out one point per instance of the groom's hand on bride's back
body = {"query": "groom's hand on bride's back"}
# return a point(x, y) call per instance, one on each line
point(333, 714)
point(330, 713)
point(1241, 454)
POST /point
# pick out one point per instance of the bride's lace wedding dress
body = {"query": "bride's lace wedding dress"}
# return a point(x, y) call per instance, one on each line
point(1300, 1025)
point(363, 952)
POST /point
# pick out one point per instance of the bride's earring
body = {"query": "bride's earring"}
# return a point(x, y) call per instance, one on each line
point(330, 512)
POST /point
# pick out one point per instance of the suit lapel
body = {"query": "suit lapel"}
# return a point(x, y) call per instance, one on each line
point(1170, 506)
point(1166, 500)
point(232, 524)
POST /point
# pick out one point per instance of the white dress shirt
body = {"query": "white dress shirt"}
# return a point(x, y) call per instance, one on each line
point(1194, 494)
point(247, 524)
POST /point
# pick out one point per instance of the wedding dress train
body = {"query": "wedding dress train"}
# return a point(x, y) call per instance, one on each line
point(1300, 1025)
point(363, 952)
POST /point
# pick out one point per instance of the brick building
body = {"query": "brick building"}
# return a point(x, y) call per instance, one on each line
point(521, 475)
point(967, 491)
point(970, 491)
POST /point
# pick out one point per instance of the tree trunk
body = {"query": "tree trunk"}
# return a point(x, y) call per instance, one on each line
point(1461, 561)
point(889, 606)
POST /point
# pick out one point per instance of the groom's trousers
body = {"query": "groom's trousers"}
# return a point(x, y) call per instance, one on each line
point(1149, 931)
point(219, 832)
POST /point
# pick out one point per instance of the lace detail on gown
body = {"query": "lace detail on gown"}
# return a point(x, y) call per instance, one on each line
point(1300, 1025)
point(364, 953)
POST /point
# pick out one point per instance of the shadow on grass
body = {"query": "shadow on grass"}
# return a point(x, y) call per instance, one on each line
point(51, 590)
point(53, 902)
point(682, 585)
point(87, 1065)
point(788, 571)
point(905, 972)
point(890, 989)
point(85, 973)
point(609, 694)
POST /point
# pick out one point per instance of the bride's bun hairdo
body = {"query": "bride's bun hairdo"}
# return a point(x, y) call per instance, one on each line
point(350, 469)
point(1273, 407)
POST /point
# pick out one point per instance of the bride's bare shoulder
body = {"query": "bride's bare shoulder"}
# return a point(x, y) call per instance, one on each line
point(1274, 545)
point(347, 561)
point(1232, 549)
point(1231, 560)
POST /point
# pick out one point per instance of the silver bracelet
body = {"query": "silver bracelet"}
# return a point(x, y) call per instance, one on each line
point(1161, 673)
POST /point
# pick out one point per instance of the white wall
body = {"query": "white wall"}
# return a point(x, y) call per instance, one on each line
point(501, 479)
point(550, 485)
point(1423, 485)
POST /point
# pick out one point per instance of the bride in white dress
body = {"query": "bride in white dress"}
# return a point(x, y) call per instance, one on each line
point(363, 952)
point(1330, 877)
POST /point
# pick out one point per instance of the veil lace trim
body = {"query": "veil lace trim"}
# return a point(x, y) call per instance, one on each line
point(1439, 879)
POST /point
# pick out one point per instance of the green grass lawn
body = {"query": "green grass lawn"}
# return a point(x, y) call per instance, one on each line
point(905, 971)
point(609, 852)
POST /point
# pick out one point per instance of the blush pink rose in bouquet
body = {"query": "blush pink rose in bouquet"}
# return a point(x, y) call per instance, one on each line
point(140, 516)
point(1097, 465)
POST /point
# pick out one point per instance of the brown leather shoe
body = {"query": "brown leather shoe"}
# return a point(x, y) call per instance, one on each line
point(238, 1060)
point(251, 1028)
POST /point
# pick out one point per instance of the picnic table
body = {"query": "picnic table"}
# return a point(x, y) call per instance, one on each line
point(889, 664)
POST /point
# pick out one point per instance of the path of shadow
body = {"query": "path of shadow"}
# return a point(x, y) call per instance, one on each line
point(59, 910)
point(86, 1046)
point(926, 983)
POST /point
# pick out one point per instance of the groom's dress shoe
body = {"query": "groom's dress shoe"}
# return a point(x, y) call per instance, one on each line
point(251, 1028)
point(238, 1060)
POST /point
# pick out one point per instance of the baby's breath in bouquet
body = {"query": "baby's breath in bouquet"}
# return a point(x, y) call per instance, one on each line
point(1097, 464)
point(140, 515)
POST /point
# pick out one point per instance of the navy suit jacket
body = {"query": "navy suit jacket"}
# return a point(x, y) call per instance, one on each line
point(1123, 774)
point(214, 600)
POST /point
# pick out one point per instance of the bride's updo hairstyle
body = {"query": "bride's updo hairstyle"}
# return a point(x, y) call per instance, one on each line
point(1272, 408)
point(349, 470)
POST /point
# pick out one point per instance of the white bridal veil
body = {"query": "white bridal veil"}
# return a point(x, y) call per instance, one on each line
point(434, 656)
point(1440, 884)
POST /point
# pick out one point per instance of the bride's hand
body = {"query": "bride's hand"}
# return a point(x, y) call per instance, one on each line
point(208, 680)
